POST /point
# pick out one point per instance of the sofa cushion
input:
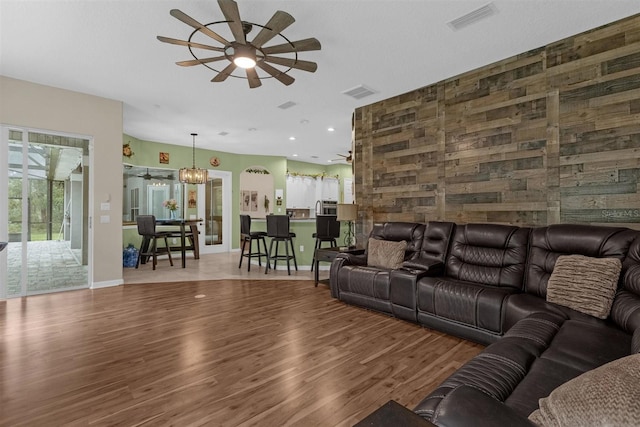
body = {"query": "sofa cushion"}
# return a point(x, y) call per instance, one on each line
point(608, 395)
point(585, 284)
point(385, 253)
point(410, 232)
point(490, 254)
point(473, 304)
point(546, 244)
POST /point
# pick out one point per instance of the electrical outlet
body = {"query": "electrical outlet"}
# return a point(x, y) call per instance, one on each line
point(174, 241)
point(301, 248)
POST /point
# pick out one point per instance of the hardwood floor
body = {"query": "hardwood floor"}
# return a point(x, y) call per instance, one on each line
point(250, 352)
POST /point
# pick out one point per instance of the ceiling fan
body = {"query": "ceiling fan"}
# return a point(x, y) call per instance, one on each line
point(346, 158)
point(240, 52)
point(147, 176)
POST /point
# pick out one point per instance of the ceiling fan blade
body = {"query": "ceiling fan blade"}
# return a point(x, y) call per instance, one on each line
point(297, 46)
point(282, 77)
point(192, 44)
point(230, 11)
point(278, 22)
point(222, 75)
point(293, 63)
point(252, 76)
point(178, 14)
point(191, 62)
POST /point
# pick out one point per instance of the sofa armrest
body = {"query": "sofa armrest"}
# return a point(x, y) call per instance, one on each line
point(424, 267)
point(467, 406)
point(342, 260)
point(352, 259)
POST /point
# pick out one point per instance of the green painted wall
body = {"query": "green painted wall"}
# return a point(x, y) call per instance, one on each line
point(147, 153)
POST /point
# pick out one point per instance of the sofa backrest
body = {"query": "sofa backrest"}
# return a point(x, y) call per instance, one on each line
point(548, 243)
point(410, 232)
point(488, 253)
point(437, 236)
point(625, 311)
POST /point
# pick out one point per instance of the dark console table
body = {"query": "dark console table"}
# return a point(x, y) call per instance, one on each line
point(329, 254)
point(393, 414)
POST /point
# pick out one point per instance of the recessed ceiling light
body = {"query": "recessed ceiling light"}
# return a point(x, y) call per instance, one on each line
point(314, 157)
point(294, 155)
point(304, 121)
point(292, 138)
point(329, 161)
point(252, 129)
point(330, 129)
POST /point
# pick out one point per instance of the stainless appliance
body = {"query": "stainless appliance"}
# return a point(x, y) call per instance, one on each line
point(329, 207)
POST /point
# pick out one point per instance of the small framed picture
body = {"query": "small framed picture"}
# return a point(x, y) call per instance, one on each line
point(192, 198)
point(164, 158)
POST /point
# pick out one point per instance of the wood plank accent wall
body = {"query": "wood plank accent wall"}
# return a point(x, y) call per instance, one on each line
point(548, 136)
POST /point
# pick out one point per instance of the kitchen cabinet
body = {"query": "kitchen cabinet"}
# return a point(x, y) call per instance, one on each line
point(301, 192)
point(329, 189)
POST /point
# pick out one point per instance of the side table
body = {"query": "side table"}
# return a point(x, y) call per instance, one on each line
point(329, 254)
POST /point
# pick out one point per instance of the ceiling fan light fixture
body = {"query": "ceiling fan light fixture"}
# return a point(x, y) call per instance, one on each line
point(244, 57)
point(244, 53)
point(193, 175)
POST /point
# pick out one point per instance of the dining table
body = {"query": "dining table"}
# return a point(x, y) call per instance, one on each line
point(183, 223)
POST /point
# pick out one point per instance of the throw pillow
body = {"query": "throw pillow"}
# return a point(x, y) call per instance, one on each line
point(584, 284)
point(385, 253)
point(605, 396)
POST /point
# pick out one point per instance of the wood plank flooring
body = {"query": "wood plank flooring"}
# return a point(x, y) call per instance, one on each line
point(250, 352)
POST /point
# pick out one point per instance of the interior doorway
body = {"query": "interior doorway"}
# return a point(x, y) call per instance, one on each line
point(215, 209)
point(45, 197)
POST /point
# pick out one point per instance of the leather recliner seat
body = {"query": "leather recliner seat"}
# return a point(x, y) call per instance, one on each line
point(485, 264)
point(353, 281)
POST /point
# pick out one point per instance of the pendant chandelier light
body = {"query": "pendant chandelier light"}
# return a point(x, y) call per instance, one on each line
point(193, 175)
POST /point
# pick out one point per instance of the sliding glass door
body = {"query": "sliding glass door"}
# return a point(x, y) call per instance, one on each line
point(45, 197)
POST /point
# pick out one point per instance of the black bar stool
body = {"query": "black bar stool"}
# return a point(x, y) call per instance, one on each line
point(327, 230)
point(147, 229)
point(250, 236)
point(278, 230)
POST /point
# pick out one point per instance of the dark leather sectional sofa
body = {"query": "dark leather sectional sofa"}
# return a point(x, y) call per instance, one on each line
point(488, 283)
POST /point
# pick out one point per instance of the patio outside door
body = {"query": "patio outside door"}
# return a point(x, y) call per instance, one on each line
point(44, 206)
point(214, 207)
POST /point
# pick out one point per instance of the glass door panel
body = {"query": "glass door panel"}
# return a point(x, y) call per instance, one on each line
point(213, 212)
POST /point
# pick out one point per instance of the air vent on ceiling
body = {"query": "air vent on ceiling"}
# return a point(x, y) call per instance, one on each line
point(286, 105)
point(473, 17)
point(359, 92)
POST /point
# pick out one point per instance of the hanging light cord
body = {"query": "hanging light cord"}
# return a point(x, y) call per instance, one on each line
point(193, 150)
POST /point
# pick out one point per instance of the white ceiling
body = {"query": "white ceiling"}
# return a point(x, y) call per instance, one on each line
point(109, 48)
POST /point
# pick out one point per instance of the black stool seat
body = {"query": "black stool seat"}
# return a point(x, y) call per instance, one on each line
point(147, 229)
point(278, 230)
point(250, 236)
point(327, 230)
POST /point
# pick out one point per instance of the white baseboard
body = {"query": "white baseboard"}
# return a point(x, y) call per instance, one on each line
point(107, 284)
